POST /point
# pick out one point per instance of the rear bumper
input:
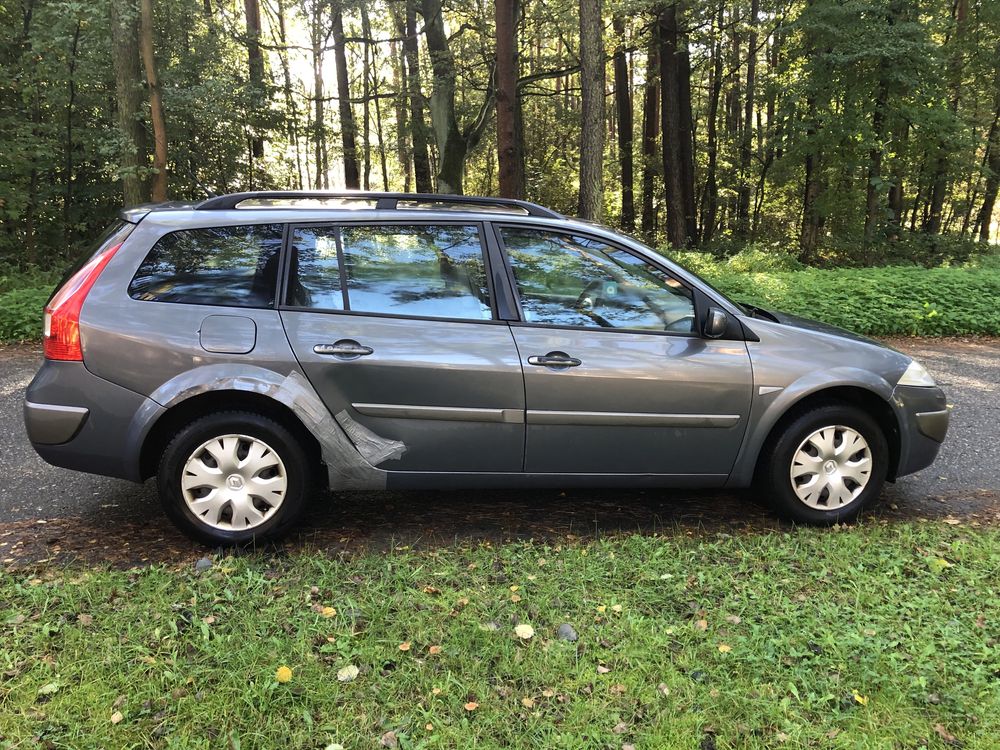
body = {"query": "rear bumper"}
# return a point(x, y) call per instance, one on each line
point(923, 415)
point(76, 420)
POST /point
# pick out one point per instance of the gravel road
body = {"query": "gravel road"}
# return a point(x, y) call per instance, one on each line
point(52, 514)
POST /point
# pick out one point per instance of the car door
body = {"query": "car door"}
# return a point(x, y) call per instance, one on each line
point(394, 325)
point(617, 378)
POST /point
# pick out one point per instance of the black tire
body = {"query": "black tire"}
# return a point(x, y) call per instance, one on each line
point(773, 480)
point(298, 473)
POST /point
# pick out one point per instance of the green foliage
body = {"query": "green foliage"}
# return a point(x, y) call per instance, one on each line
point(21, 313)
point(875, 301)
point(862, 638)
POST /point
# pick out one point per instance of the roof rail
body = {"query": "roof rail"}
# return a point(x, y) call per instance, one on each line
point(383, 201)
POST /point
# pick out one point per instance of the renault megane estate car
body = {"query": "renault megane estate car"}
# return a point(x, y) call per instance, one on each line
point(251, 347)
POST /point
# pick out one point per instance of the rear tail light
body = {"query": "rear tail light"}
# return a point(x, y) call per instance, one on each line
point(62, 313)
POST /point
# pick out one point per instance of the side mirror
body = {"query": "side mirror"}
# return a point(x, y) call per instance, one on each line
point(716, 323)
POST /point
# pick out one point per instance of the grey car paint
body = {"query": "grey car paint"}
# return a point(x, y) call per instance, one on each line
point(642, 406)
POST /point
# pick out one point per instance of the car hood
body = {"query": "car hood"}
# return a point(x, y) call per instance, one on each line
point(796, 321)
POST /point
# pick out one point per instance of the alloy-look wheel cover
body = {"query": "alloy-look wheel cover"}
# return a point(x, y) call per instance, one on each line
point(234, 482)
point(831, 467)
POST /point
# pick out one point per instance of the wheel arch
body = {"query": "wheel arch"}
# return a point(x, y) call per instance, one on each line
point(187, 410)
point(872, 397)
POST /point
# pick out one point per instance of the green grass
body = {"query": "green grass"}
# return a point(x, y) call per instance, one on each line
point(863, 638)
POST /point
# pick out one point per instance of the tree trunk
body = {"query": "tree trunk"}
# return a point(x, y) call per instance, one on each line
point(418, 130)
point(319, 117)
point(348, 129)
point(255, 60)
point(125, 56)
point(873, 190)
point(939, 189)
point(650, 133)
point(454, 143)
point(992, 162)
point(291, 109)
point(368, 72)
point(70, 103)
point(623, 107)
point(592, 110)
point(510, 157)
point(401, 101)
point(678, 165)
point(710, 202)
point(159, 187)
point(743, 198)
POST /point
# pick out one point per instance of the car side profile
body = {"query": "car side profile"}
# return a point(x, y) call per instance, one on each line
point(252, 347)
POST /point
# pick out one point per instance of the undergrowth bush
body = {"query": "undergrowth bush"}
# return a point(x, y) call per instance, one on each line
point(21, 313)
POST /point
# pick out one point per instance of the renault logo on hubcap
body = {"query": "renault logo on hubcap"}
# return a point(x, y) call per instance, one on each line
point(830, 466)
point(235, 482)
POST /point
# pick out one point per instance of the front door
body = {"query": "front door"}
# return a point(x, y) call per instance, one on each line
point(617, 379)
point(394, 326)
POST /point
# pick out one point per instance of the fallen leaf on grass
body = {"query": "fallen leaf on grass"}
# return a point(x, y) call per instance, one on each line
point(515, 598)
point(85, 620)
point(617, 608)
point(471, 706)
point(862, 699)
point(601, 669)
point(663, 689)
point(348, 673)
point(733, 619)
point(938, 564)
point(283, 674)
point(528, 702)
point(524, 631)
point(723, 648)
point(946, 737)
point(116, 717)
point(328, 612)
point(620, 728)
point(389, 739)
point(429, 727)
point(404, 646)
point(434, 650)
point(701, 624)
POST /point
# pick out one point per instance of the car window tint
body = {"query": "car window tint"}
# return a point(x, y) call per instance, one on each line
point(423, 271)
point(570, 280)
point(230, 266)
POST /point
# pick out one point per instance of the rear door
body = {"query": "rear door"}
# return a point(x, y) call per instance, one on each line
point(395, 326)
point(617, 378)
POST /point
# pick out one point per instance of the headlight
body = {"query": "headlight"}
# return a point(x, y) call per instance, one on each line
point(916, 375)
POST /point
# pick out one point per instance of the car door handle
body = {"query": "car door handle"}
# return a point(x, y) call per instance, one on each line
point(556, 360)
point(344, 349)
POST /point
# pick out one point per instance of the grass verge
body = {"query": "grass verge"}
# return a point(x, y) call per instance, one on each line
point(873, 637)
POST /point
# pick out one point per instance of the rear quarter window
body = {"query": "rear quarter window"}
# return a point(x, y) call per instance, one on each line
point(225, 266)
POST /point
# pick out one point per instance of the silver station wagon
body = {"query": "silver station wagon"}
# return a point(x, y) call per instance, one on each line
point(251, 348)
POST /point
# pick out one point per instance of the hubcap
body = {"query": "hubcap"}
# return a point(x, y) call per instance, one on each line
point(234, 482)
point(831, 467)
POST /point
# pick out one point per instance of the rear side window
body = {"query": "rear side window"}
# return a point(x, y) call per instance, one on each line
point(226, 266)
point(419, 270)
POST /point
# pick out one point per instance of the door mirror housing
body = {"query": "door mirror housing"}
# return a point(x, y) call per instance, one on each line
point(716, 323)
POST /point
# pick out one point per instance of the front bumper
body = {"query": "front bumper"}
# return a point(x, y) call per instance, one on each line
point(923, 415)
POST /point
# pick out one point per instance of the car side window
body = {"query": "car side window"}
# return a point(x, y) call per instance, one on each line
point(571, 280)
point(228, 266)
point(413, 270)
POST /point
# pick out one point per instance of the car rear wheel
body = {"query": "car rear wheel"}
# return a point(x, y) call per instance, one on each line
point(826, 466)
point(234, 477)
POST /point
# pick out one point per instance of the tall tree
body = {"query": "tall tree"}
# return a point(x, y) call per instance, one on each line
point(255, 59)
point(678, 155)
point(591, 110)
point(158, 191)
point(623, 109)
point(418, 129)
point(454, 141)
point(743, 199)
point(650, 132)
point(128, 82)
point(510, 151)
point(991, 162)
point(348, 129)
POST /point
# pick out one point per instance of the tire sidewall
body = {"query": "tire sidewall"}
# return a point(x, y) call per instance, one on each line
point(778, 484)
point(188, 439)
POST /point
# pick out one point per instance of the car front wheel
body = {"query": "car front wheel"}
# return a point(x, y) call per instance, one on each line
point(233, 477)
point(826, 466)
